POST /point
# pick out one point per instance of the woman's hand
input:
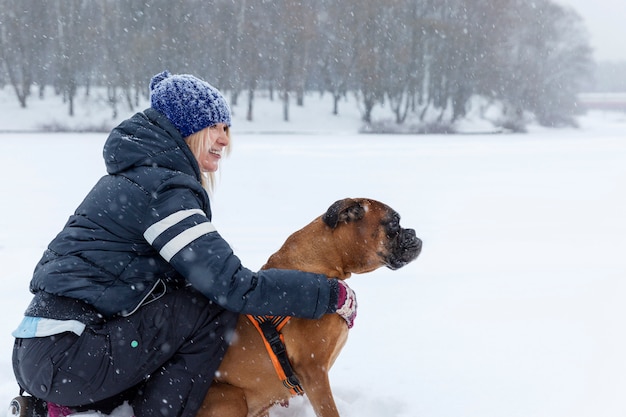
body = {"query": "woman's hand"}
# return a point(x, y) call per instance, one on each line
point(346, 303)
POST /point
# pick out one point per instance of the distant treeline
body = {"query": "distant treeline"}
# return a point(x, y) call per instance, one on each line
point(417, 56)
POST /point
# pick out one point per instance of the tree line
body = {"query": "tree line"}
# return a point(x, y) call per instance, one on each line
point(417, 56)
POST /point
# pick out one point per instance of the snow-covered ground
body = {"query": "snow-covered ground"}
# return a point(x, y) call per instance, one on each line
point(516, 306)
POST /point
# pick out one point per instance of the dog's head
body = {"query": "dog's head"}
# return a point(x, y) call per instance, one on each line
point(371, 234)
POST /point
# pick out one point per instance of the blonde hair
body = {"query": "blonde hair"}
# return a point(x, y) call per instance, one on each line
point(198, 142)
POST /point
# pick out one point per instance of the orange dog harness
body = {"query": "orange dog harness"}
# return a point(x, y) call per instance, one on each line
point(269, 327)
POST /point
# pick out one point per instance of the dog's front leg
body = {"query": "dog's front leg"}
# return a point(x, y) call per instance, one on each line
point(317, 388)
point(313, 346)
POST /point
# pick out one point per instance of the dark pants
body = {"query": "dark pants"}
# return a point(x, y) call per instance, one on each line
point(164, 356)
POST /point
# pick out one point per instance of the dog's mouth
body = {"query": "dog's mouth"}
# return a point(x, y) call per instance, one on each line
point(406, 249)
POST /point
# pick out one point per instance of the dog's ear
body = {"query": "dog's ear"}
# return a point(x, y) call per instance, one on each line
point(345, 210)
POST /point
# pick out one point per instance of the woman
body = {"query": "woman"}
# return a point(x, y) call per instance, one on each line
point(138, 294)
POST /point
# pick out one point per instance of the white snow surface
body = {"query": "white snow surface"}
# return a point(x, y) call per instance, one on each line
point(516, 306)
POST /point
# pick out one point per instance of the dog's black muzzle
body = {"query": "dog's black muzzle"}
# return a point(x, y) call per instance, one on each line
point(408, 247)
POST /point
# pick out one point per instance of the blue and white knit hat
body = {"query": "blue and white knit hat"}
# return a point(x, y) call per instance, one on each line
point(188, 102)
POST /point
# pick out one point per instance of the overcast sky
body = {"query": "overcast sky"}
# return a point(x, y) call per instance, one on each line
point(606, 22)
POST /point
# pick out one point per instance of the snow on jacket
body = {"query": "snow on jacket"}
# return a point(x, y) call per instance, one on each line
point(147, 225)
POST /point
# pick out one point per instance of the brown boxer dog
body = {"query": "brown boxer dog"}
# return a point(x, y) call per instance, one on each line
point(353, 236)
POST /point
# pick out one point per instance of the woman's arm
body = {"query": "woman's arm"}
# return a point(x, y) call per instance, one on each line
point(184, 236)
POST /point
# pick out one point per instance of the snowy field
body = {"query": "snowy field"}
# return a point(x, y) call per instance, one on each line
point(515, 308)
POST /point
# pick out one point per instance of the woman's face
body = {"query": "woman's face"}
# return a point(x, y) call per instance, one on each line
point(215, 142)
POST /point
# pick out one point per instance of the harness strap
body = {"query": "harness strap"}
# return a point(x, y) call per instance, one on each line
point(269, 327)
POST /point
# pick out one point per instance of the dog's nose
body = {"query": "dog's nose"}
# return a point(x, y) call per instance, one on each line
point(411, 242)
point(418, 246)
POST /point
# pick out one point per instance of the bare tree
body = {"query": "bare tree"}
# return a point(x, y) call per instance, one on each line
point(293, 22)
point(21, 45)
point(74, 34)
point(564, 64)
point(368, 68)
point(334, 48)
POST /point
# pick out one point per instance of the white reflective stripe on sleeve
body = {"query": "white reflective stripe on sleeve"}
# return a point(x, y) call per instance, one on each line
point(174, 246)
point(161, 226)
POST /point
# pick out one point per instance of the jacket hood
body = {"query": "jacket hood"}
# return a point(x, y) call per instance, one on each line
point(148, 139)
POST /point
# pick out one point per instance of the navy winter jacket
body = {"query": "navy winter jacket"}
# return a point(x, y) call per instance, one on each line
point(146, 226)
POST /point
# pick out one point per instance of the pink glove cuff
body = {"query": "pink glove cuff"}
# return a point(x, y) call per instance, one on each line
point(346, 303)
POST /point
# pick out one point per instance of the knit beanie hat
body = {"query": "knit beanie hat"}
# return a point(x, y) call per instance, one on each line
point(188, 102)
